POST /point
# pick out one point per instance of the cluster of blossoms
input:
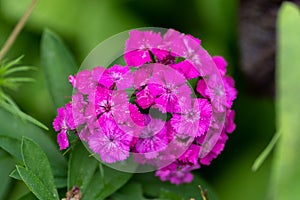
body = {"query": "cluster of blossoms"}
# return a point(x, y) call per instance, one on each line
point(150, 109)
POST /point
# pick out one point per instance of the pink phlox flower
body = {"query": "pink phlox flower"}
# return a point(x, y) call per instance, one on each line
point(144, 98)
point(132, 120)
point(118, 75)
point(78, 109)
point(153, 138)
point(229, 123)
point(137, 117)
point(216, 150)
point(194, 117)
point(182, 45)
point(108, 104)
point(138, 46)
point(169, 88)
point(231, 92)
point(64, 122)
point(72, 80)
point(62, 139)
point(110, 142)
point(187, 69)
point(142, 76)
point(221, 64)
point(97, 73)
point(177, 173)
point(84, 82)
point(191, 155)
point(214, 88)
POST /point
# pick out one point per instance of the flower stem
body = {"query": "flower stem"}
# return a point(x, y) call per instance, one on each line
point(14, 34)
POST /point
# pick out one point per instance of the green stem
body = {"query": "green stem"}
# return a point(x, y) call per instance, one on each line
point(14, 34)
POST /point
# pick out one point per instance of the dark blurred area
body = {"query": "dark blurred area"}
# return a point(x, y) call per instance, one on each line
point(243, 32)
point(257, 41)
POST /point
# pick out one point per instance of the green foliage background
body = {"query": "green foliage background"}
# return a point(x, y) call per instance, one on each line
point(83, 24)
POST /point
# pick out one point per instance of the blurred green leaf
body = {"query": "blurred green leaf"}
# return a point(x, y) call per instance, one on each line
point(36, 161)
point(58, 63)
point(29, 196)
point(6, 165)
point(262, 157)
point(129, 191)
point(286, 172)
point(82, 167)
point(106, 181)
point(11, 82)
point(12, 126)
point(35, 184)
point(154, 187)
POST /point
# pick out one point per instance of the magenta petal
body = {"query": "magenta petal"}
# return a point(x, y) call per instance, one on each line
point(111, 143)
point(191, 155)
point(230, 125)
point(221, 64)
point(137, 58)
point(62, 140)
point(59, 119)
point(144, 98)
point(187, 69)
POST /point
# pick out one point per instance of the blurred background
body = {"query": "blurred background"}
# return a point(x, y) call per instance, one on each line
point(229, 28)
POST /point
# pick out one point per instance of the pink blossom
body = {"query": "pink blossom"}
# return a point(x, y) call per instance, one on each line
point(148, 108)
point(177, 173)
point(110, 142)
point(62, 139)
point(231, 92)
point(78, 109)
point(152, 139)
point(191, 155)
point(145, 98)
point(137, 117)
point(97, 73)
point(182, 45)
point(229, 124)
point(62, 123)
point(117, 75)
point(138, 46)
point(108, 104)
point(194, 117)
point(169, 88)
point(215, 151)
point(84, 82)
point(187, 69)
point(221, 64)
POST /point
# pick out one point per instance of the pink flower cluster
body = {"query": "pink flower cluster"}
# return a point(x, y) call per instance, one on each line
point(149, 110)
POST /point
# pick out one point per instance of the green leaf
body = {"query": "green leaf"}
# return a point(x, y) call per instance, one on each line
point(29, 196)
point(165, 194)
point(35, 185)
point(154, 187)
point(58, 64)
point(15, 174)
point(106, 181)
point(11, 145)
point(19, 69)
point(14, 127)
point(131, 190)
point(7, 103)
point(6, 165)
point(262, 157)
point(286, 171)
point(82, 167)
point(36, 161)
